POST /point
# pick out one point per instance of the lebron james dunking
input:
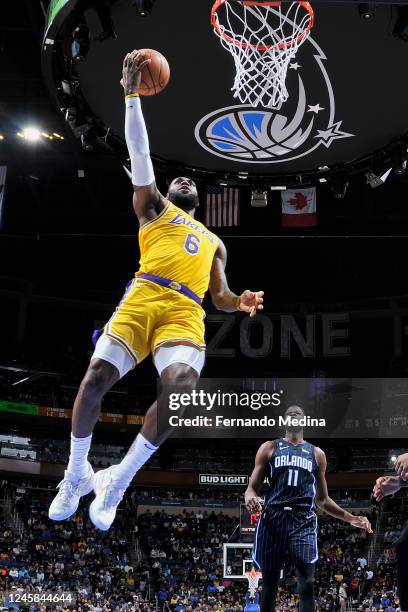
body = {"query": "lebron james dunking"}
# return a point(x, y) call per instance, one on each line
point(160, 314)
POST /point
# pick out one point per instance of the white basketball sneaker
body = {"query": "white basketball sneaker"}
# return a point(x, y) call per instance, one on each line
point(66, 502)
point(109, 493)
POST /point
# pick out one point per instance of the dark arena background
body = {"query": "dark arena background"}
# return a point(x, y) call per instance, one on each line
point(333, 335)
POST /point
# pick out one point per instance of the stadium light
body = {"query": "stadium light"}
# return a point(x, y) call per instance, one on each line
point(323, 179)
point(366, 10)
point(144, 7)
point(399, 156)
point(87, 142)
point(34, 134)
point(401, 167)
point(31, 133)
point(376, 180)
point(393, 459)
point(340, 183)
point(259, 199)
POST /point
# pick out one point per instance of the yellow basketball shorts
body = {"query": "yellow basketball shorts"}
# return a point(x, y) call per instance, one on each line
point(150, 316)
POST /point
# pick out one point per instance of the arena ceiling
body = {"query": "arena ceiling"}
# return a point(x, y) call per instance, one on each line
point(348, 97)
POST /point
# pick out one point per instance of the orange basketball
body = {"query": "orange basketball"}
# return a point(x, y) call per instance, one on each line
point(156, 75)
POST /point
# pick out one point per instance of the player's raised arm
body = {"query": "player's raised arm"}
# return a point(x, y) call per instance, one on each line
point(147, 200)
point(253, 502)
point(222, 296)
point(324, 502)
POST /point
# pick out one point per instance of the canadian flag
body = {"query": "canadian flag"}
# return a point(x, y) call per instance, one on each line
point(299, 207)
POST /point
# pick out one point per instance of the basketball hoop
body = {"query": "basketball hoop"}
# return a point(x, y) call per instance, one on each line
point(253, 578)
point(262, 37)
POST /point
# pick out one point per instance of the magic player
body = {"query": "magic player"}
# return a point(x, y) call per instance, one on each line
point(389, 485)
point(160, 313)
point(296, 475)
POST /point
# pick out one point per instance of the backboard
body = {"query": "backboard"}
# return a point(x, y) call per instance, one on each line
point(237, 559)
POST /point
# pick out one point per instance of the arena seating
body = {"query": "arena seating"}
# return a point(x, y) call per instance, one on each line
point(69, 557)
point(175, 558)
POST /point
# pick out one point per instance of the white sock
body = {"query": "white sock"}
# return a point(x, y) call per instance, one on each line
point(78, 458)
point(137, 455)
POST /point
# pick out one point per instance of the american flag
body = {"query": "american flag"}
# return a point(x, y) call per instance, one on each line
point(221, 206)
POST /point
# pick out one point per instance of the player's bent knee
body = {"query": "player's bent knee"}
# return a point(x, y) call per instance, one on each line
point(178, 355)
point(99, 378)
point(179, 374)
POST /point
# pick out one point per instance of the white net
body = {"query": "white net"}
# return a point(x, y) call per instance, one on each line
point(263, 38)
point(253, 578)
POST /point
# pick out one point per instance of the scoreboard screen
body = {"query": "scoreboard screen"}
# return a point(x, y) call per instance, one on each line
point(248, 520)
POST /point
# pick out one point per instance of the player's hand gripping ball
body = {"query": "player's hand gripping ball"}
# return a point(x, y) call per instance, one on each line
point(145, 71)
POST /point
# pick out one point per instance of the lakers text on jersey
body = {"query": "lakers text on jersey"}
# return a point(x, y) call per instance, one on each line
point(178, 247)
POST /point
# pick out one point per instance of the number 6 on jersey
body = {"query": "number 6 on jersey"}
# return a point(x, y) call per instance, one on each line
point(192, 244)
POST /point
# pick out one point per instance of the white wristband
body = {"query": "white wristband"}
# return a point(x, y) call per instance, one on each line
point(137, 142)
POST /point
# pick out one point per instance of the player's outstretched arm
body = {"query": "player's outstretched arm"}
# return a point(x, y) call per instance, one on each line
point(253, 502)
point(388, 485)
point(326, 503)
point(147, 200)
point(222, 296)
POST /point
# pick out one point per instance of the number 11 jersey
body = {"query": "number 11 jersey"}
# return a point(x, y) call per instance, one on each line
point(291, 473)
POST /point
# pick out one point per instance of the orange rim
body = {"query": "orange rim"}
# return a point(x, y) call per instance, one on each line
point(283, 45)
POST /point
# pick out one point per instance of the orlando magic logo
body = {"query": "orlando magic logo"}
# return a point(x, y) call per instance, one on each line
point(290, 131)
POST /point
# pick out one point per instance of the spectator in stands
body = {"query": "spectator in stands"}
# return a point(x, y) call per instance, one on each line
point(343, 596)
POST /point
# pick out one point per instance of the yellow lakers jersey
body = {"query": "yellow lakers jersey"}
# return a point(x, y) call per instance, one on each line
point(178, 247)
